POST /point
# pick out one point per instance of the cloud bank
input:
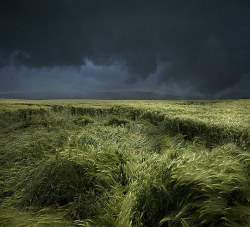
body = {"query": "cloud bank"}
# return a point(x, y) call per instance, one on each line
point(200, 47)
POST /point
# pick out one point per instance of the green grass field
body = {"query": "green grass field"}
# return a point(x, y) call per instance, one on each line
point(124, 163)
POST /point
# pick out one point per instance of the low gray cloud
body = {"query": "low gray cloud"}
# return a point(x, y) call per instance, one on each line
point(192, 46)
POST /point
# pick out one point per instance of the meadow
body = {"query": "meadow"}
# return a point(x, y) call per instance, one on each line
point(124, 163)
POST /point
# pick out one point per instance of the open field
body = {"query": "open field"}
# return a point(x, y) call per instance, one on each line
point(124, 163)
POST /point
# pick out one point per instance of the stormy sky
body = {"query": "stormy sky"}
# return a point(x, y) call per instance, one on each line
point(178, 47)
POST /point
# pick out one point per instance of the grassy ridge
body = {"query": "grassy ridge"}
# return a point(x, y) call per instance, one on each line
point(133, 163)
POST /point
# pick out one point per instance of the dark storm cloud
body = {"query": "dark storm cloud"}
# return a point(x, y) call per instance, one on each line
point(201, 43)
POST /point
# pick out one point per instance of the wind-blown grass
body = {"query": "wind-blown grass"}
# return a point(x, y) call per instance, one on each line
point(130, 164)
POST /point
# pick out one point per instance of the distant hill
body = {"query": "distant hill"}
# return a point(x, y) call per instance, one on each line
point(90, 95)
point(128, 95)
point(235, 95)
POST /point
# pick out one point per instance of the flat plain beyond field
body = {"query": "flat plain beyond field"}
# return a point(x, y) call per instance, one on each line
point(124, 163)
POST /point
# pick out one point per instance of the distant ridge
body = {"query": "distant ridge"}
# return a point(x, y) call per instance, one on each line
point(235, 95)
point(133, 95)
point(128, 95)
